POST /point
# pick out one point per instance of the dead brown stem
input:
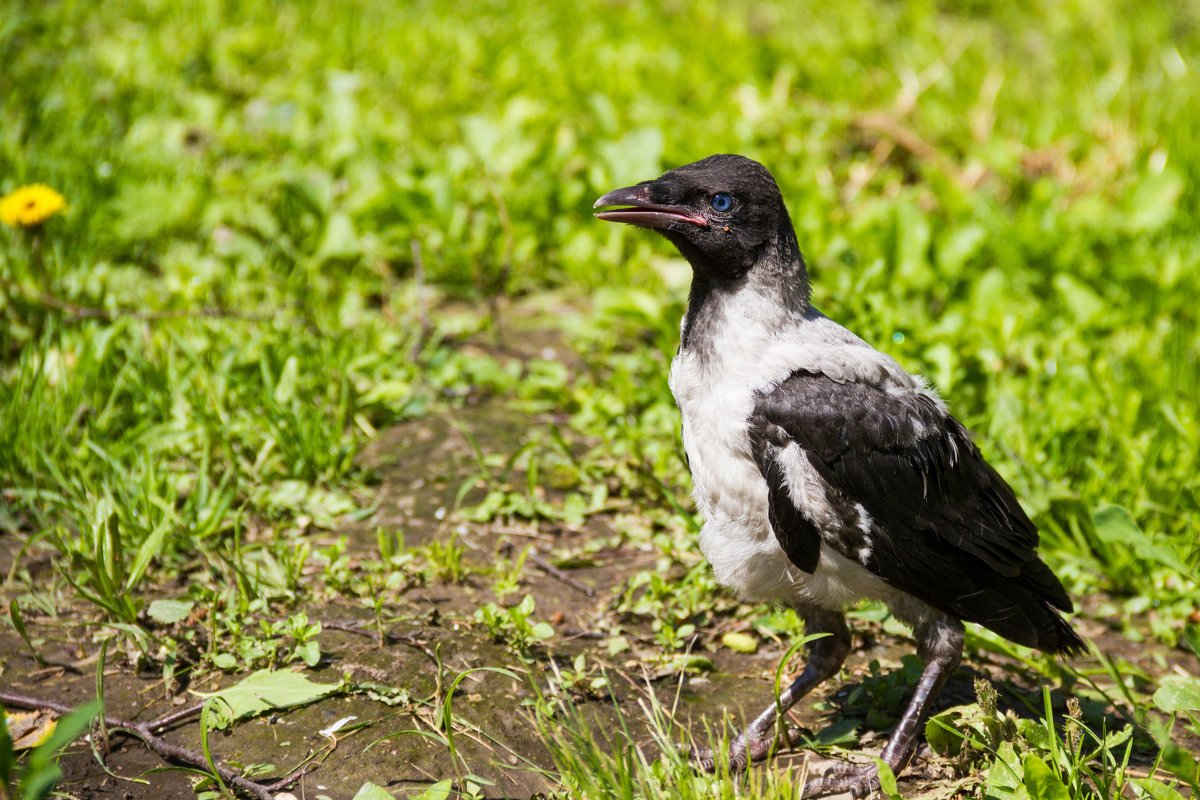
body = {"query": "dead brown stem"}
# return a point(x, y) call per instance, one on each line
point(558, 574)
point(146, 731)
point(76, 312)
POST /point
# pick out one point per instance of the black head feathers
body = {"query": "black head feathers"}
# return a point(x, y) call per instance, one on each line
point(724, 213)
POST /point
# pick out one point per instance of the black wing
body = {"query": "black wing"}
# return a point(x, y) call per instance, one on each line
point(939, 522)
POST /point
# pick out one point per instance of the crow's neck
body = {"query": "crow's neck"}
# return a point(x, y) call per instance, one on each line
point(773, 292)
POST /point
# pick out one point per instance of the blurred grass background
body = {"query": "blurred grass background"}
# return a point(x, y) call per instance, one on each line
point(1002, 195)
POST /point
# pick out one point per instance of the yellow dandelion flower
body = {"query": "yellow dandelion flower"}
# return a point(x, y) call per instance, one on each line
point(30, 206)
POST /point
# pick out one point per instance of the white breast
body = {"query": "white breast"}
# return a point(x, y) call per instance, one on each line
point(715, 390)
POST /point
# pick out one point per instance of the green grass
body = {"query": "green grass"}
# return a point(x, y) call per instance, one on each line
point(266, 201)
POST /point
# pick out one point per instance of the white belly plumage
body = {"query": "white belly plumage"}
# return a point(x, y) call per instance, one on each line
point(731, 493)
point(739, 543)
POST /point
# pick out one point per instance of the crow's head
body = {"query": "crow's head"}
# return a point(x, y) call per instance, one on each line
point(724, 213)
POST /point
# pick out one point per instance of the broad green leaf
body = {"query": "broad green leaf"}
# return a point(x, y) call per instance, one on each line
point(1042, 782)
point(1035, 732)
point(1003, 781)
point(168, 612)
point(887, 780)
point(692, 663)
point(1114, 739)
point(224, 661)
point(842, 733)
point(942, 731)
point(1178, 693)
point(616, 644)
point(371, 791)
point(264, 691)
point(1157, 790)
point(740, 642)
point(438, 791)
point(309, 652)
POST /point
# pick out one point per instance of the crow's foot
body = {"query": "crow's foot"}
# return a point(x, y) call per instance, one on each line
point(751, 745)
point(860, 780)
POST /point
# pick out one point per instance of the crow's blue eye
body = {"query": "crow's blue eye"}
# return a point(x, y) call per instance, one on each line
point(722, 202)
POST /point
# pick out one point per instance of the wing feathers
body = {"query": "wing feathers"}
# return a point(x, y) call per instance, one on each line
point(946, 527)
point(796, 533)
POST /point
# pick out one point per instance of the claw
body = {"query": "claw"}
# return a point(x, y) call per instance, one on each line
point(706, 760)
point(842, 769)
point(860, 780)
point(865, 787)
point(747, 747)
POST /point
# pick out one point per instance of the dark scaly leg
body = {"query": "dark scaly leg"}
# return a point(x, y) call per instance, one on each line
point(939, 644)
point(825, 657)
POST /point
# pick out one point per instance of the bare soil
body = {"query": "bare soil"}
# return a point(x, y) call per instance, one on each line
point(420, 467)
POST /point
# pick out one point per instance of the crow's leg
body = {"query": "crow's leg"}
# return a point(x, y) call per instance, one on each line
point(825, 657)
point(939, 643)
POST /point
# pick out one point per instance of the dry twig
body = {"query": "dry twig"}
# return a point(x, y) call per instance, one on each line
point(76, 312)
point(148, 733)
point(558, 574)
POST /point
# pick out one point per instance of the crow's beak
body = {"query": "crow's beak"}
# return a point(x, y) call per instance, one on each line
point(638, 210)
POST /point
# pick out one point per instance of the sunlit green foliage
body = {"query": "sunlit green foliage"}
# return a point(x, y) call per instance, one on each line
point(267, 201)
point(1005, 206)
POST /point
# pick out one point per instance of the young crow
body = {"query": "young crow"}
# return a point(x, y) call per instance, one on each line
point(827, 474)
